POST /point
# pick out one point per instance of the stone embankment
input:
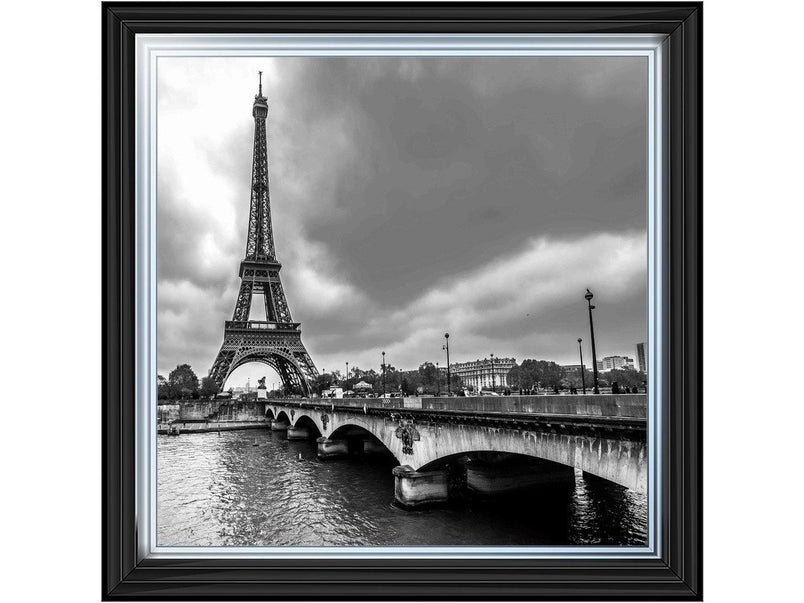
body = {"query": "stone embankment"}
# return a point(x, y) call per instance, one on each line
point(207, 416)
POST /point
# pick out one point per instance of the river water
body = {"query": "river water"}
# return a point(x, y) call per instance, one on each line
point(256, 488)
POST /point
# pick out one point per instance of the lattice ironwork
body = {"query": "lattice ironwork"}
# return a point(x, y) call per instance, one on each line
point(276, 341)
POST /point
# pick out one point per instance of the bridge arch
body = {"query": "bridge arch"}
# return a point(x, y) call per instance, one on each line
point(495, 473)
point(306, 421)
point(283, 417)
point(617, 461)
point(363, 439)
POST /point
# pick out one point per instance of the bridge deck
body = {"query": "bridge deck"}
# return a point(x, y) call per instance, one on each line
point(606, 412)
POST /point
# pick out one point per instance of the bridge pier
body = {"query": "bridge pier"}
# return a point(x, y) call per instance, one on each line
point(332, 449)
point(490, 479)
point(279, 425)
point(416, 489)
point(298, 433)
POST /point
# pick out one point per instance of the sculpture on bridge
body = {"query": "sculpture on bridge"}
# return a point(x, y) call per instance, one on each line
point(408, 434)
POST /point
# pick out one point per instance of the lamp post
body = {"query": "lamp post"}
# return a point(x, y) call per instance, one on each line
point(383, 374)
point(493, 383)
point(346, 377)
point(446, 347)
point(580, 351)
point(438, 380)
point(588, 297)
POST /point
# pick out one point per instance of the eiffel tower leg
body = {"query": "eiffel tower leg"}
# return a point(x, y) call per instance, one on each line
point(306, 363)
point(220, 368)
point(243, 305)
point(290, 377)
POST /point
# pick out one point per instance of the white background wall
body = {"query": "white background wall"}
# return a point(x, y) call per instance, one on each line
point(50, 226)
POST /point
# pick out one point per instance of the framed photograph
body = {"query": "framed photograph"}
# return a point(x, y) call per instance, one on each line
point(402, 301)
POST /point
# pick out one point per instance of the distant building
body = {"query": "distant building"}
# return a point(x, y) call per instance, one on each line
point(642, 357)
point(572, 369)
point(615, 362)
point(478, 373)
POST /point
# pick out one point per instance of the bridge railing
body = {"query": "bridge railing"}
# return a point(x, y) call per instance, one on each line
point(632, 406)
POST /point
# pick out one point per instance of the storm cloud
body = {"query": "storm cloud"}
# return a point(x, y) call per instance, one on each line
point(410, 197)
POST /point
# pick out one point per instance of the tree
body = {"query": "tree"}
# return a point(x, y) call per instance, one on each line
point(208, 387)
point(162, 388)
point(573, 379)
point(428, 374)
point(322, 382)
point(539, 373)
point(182, 378)
point(455, 383)
point(372, 377)
point(625, 377)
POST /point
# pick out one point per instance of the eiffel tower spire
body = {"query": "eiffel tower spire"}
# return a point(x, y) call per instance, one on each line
point(275, 341)
point(260, 242)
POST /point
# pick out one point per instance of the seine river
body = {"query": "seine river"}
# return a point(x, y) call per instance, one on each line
point(257, 488)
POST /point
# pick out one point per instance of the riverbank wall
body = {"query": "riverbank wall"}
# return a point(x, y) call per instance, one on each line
point(211, 427)
point(204, 416)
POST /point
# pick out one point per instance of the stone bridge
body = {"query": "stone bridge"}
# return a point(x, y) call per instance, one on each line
point(497, 444)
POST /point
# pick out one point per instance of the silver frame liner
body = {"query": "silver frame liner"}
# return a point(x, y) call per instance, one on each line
point(149, 48)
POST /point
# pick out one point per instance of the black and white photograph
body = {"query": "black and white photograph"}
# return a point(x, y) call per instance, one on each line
point(402, 301)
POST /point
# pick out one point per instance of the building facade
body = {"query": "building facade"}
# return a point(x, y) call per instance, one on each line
point(487, 373)
point(615, 362)
point(642, 357)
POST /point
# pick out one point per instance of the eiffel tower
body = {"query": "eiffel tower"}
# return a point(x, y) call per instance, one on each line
point(276, 341)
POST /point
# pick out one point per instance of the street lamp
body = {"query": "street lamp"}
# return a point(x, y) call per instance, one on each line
point(588, 297)
point(346, 377)
point(493, 383)
point(580, 351)
point(446, 347)
point(383, 374)
point(438, 380)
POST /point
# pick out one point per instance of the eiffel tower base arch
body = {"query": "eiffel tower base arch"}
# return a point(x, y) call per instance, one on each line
point(285, 353)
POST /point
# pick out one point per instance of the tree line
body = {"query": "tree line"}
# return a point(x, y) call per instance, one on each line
point(533, 374)
point(183, 384)
point(427, 379)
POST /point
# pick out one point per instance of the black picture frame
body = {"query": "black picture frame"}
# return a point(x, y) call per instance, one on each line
point(676, 575)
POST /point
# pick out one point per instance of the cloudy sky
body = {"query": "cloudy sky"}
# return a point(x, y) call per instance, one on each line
point(410, 197)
